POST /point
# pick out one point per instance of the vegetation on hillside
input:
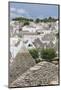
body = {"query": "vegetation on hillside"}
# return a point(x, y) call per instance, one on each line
point(48, 54)
point(34, 53)
point(26, 23)
point(49, 19)
point(37, 20)
point(21, 19)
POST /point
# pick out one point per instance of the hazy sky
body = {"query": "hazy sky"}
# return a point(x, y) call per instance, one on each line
point(33, 10)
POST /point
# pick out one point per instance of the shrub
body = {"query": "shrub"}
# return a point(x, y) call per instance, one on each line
point(26, 23)
point(48, 54)
point(34, 53)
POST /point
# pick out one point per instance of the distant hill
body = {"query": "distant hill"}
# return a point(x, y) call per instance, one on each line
point(49, 19)
point(21, 19)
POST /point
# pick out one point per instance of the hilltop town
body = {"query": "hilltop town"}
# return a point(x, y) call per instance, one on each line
point(33, 34)
point(28, 37)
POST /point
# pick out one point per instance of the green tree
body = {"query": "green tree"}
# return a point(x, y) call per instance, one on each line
point(45, 20)
point(26, 23)
point(48, 54)
point(37, 20)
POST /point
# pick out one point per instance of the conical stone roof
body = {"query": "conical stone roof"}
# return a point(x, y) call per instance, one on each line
point(22, 62)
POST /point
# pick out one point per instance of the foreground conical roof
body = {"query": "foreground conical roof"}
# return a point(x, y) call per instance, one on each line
point(22, 62)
